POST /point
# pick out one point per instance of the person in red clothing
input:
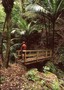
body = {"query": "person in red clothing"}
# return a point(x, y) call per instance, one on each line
point(23, 47)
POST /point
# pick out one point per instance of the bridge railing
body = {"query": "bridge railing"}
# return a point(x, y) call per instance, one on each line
point(35, 55)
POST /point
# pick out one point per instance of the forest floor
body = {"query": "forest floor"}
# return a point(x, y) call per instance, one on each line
point(15, 77)
point(11, 77)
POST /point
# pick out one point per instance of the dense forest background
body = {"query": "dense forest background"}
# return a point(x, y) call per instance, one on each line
point(40, 23)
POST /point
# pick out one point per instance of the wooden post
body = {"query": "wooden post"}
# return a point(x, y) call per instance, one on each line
point(18, 54)
point(50, 53)
point(46, 53)
point(24, 56)
point(37, 54)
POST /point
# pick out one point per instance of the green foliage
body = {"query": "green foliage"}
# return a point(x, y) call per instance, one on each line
point(18, 21)
point(61, 53)
point(60, 73)
point(62, 58)
point(46, 68)
point(13, 54)
point(24, 25)
point(32, 75)
point(61, 82)
point(2, 79)
point(50, 67)
point(2, 17)
point(54, 6)
point(15, 13)
point(2, 14)
point(61, 50)
point(55, 85)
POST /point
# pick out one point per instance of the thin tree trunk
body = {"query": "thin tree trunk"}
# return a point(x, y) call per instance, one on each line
point(49, 27)
point(46, 33)
point(53, 37)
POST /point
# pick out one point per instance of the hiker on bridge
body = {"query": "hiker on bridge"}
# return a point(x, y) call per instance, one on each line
point(23, 47)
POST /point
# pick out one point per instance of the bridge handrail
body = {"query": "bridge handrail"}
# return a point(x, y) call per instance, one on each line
point(35, 54)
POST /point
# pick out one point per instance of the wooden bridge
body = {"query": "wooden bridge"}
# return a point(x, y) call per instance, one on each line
point(33, 56)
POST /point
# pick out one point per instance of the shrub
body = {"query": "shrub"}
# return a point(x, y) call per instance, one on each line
point(2, 79)
point(33, 75)
point(50, 67)
point(55, 85)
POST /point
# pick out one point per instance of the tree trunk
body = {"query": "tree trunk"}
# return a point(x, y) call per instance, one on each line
point(8, 5)
point(6, 61)
point(46, 33)
point(7, 52)
point(2, 40)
